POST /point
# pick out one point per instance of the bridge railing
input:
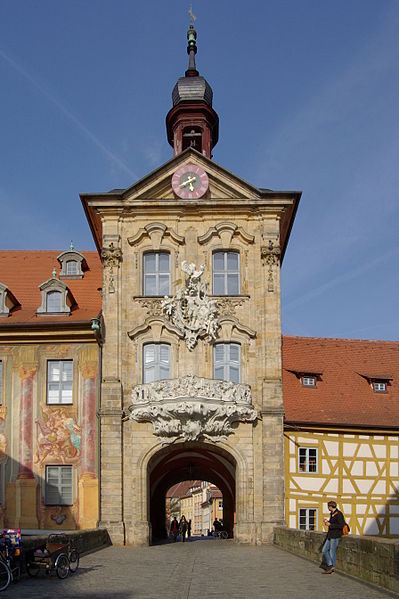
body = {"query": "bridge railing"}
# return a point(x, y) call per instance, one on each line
point(372, 559)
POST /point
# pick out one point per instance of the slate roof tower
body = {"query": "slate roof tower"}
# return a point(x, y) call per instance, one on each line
point(192, 122)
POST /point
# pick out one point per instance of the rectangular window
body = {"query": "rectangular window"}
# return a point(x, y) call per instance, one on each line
point(1, 379)
point(379, 387)
point(53, 301)
point(156, 273)
point(308, 381)
point(59, 381)
point(226, 273)
point(227, 362)
point(59, 485)
point(220, 504)
point(156, 362)
point(308, 459)
point(308, 518)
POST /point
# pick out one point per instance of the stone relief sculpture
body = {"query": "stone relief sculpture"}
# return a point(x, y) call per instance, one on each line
point(192, 408)
point(192, 312)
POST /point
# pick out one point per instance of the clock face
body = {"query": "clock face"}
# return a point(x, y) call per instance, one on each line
point(190, 182)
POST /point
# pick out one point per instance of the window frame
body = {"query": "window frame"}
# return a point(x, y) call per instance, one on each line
point(377, 382)
point(226, 273)
point(307, 450)
point(307, 511)
point(157, 273)
point(157, 361)
point(60, 383)
point(227, 363)
point(60, 485)
point(52, 293)
point(308, 377)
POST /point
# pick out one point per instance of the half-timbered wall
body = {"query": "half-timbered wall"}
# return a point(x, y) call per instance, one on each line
point(358, 470)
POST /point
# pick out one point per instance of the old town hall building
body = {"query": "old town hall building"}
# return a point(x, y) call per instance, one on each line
point(159, 359)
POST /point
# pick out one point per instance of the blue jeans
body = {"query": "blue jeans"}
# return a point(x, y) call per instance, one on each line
point(330, 551)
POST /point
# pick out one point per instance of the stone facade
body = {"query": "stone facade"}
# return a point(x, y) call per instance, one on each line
point(149, 218)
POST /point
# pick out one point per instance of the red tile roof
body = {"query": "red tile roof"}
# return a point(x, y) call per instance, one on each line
point(343, 396)
point(182, 489)
point(23, 271)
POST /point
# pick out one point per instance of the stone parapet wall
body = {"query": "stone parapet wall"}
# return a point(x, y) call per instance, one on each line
point(371, 559)
point(85, 541)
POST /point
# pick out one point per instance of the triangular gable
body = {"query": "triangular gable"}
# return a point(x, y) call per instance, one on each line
point(157, 185)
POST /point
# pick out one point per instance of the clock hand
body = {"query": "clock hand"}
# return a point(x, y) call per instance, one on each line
point(189, 180)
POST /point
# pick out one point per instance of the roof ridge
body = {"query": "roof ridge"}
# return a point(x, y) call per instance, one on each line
point(340, 339)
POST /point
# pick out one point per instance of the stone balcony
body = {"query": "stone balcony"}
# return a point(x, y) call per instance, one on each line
point(192, 408)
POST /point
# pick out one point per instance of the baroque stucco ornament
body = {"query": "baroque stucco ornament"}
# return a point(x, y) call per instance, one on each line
point(192, 312)
point(192, 408)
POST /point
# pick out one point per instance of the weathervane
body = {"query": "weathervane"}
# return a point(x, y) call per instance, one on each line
point(192, 16)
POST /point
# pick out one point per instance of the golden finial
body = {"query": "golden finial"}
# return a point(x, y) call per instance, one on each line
point(192, 15)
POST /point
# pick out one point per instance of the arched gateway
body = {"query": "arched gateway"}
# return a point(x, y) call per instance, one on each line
point(200, 461)
point(191, 359)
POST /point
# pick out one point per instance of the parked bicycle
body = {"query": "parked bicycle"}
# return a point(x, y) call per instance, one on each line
point(221, 534)
point(10, 557)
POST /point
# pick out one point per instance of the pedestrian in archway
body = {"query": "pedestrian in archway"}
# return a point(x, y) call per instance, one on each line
point(174, 529)
point(183, 528)
point(189, 530)
point(335, 524)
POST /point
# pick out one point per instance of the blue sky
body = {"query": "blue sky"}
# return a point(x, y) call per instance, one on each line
point(307, 92)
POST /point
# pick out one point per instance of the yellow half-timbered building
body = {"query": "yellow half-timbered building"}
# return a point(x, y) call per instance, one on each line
point(341, 433)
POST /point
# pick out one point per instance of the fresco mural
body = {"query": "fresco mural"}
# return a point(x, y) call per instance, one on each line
point(59, 437)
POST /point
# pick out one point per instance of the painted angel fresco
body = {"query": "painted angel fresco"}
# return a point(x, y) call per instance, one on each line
point(59, 437)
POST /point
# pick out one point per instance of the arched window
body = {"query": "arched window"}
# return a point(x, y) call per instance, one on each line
point(53, 301)
point(226, 273)
point(156, 362)
point(72, 267)
point(156, 280)
point(227, 362)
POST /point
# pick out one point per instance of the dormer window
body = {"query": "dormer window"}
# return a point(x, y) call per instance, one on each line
point(308, 381)
point(72, 264)
point(378, 382)
point(379, 386)
point(72, 267)
point(53, 301)
point(7, 300)
point(56, 297)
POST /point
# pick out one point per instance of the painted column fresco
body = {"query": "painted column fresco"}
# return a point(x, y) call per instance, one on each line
point(25, 466)
point(22, 494)
point(88, 482)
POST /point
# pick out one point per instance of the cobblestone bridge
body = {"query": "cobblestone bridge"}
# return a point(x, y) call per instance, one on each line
point(203, 569)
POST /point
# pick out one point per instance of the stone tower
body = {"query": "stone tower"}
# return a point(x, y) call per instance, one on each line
point(191, 362)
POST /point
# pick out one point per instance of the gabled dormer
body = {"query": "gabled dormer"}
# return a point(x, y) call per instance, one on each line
point(7, 300)
point(57, 299)
point(73, 264)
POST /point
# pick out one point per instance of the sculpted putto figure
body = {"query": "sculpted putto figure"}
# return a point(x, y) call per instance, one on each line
point(192, 312)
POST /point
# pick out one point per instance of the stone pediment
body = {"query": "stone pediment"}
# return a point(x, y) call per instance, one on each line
point(192, 408)
point(222, 183)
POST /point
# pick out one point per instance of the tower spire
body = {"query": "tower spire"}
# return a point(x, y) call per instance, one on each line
point(192, 122)
point(191, 47)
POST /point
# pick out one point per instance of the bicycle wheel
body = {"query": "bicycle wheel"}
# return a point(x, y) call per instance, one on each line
point(73, 561)
point(224, 534)
point(32, 569)
point(5, 576)
point(62, 566)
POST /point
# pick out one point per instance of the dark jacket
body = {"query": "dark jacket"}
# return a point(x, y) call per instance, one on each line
point(337, 522)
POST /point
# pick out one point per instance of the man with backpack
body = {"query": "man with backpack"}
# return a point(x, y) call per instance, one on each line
point(335, 525)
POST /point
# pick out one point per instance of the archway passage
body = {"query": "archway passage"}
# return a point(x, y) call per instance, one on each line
point(189, 461)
